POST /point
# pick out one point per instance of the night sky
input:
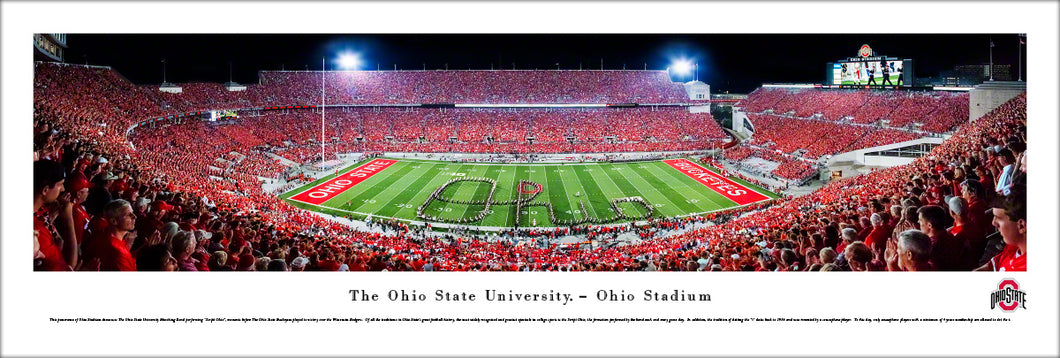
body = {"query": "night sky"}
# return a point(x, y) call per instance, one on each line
point(728, 62)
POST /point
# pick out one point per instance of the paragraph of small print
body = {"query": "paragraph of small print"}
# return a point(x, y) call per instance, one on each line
point(522, 320)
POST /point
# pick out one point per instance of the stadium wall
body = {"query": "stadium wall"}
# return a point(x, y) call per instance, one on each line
point(991, 94)
point(697, 90)
point(859, 157)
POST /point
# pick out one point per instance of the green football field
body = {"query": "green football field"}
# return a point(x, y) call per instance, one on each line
point(572, 193)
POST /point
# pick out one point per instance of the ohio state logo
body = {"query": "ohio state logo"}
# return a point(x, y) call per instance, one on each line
point(1008, 296)
point(865, 51)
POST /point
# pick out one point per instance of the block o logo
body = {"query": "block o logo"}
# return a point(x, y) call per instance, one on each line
point(865, 51)
point(1008, 296)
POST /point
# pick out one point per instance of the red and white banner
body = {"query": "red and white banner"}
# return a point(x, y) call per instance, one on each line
point(327, 190)
point(736, 192)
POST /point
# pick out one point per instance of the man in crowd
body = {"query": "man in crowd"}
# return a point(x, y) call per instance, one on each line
point(100, 194)
point(1007, 160)
point(858, 256)
point(152, 222)
point(877, 239)
point(974, 194)
point(78, 188)
point(912, 252)
point(110, 246)
point(1010, 219)
point(947, 253)
point(48, 180)
point(966, 233)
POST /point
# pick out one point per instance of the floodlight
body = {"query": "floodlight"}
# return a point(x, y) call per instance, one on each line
point(349, 61)
point(682, 67)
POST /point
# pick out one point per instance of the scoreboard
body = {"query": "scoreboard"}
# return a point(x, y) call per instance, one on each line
point(871, 70)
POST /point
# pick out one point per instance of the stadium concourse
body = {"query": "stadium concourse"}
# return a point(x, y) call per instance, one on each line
point(185, 195)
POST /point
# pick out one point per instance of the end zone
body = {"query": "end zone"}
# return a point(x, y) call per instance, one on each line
point(339, 184)
point(731, 190)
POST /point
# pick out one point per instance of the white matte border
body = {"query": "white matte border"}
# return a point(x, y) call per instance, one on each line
point(29, 299)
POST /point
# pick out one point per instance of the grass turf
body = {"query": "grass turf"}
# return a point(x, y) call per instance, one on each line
point(397, 191)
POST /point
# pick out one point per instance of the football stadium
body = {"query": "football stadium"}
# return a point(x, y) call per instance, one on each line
point(878, 159)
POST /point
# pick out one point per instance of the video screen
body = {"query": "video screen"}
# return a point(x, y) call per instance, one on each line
point(868, 73)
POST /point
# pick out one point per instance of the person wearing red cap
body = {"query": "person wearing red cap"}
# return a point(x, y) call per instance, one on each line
point(78, 187)
point(109, 246)
point(246, 262)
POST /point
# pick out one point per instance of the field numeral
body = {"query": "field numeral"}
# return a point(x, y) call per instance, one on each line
point(370, 201)
point(559, 170)
point(575, 212)
point(692, 201)
point(658, 205)
point(444, 209)
point(406, 206)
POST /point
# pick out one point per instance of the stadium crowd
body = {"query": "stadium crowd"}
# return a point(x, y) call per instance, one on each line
point(819, 138)
point(179, 200)
point(931, 111)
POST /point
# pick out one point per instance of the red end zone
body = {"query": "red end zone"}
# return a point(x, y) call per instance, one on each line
point(727, 188)
point(327, 190)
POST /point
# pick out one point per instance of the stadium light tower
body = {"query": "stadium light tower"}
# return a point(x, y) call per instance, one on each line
point(349, 61)
point(682, 67)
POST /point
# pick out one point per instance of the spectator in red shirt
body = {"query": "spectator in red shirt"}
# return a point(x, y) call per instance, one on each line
point(877, 239)
point(1010, 219)
point(969, 234)
point(974, 195)
point(48, 179)
point(188, 221)
point(329, 263)
point(78, 188)
point(947, 253)
point(110, 246)
point(153, 221)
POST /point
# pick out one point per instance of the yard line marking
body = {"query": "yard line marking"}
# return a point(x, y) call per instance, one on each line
point(387, 181)
point(620, 172)
point(579, 182)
